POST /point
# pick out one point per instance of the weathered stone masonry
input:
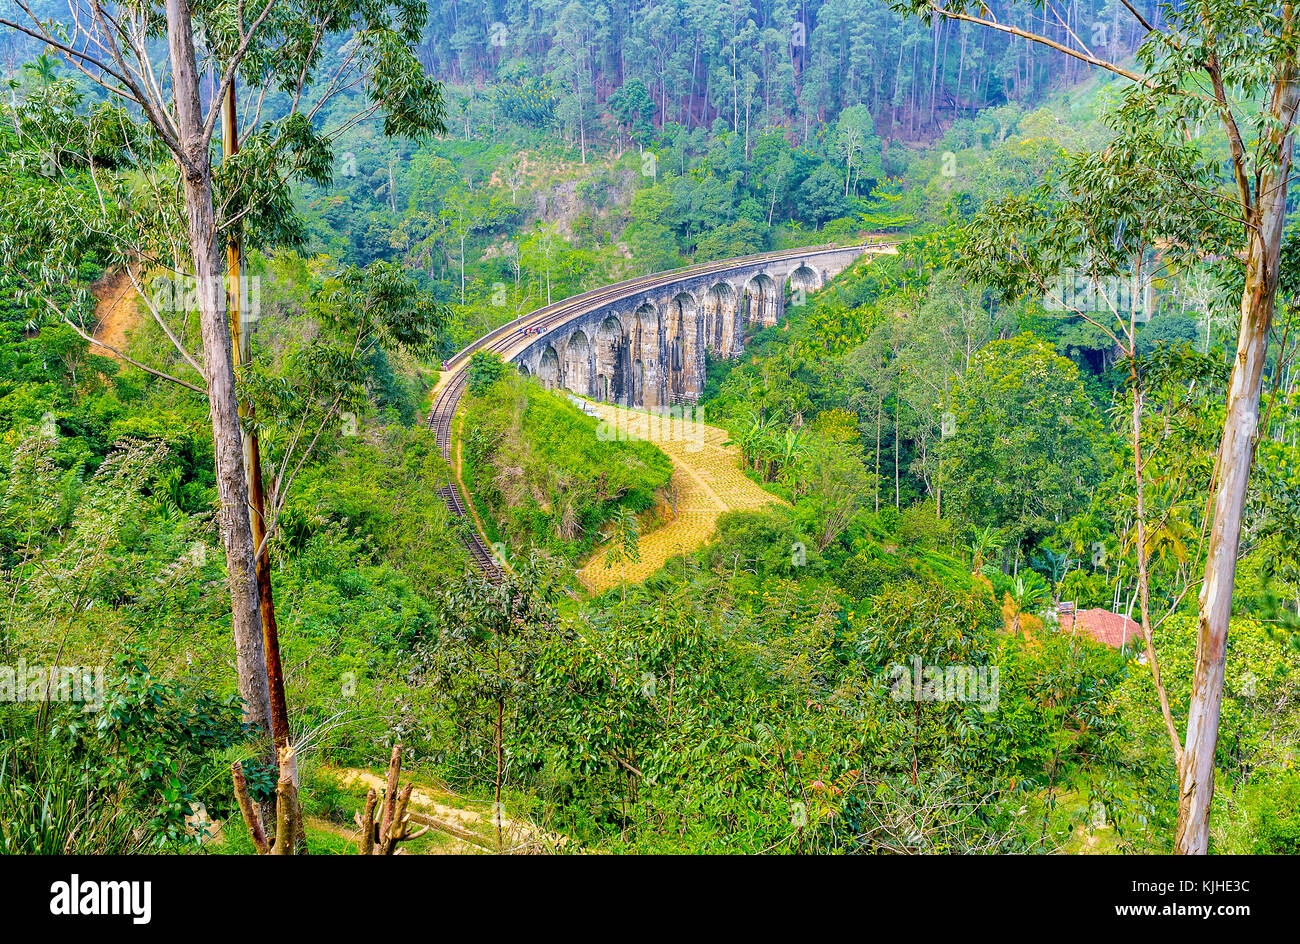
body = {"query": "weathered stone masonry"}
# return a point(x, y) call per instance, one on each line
point(647, 348)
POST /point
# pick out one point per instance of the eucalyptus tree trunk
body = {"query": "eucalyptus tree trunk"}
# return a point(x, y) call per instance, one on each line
point(1231, 476)
point(1260, 174)
point(242, 349)
point(218, 367)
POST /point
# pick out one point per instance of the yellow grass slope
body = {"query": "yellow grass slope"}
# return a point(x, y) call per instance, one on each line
point(707, 482)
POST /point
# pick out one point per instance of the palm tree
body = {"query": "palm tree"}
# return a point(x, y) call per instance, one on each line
point(770, 453)
point(1081, 533)
point(749, 440)
point(985, 541)
point(42, 69)
point(1054, 562)
point(1169, 535)
point(791, 450)
point(1025, 597)
point(1169, 528)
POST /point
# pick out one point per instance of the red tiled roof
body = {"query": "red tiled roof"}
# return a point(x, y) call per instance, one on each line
point(1102, 625)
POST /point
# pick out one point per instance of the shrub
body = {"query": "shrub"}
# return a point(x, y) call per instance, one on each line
point(545, 474)
point(1273, 811)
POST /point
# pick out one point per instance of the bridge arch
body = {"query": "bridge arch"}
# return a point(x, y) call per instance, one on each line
point(636, 380)
point(724, 292)
point(719, 316)
point(646, 352)
point(548, 368)
point(577, 364)
point(804, 277)
point(683, 336)
point(611, 361)
point(761, 301)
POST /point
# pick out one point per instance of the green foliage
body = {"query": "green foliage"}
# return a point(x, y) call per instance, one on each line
point(51, 805)
point(1019, 455)
point(932, 621)
point(483, 660)
point(1274, 815)
point(1262, 684)
point(926, 416)
point(485, 369)
point(1085, 589)
point(117, 774)
point(1173, 329)
point(625, 537)
point(763, 542)
point(547, 474)
point(528, 102)
point(634, 109)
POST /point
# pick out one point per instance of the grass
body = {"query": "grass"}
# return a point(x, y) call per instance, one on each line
point(707, 482)
point(543, 473)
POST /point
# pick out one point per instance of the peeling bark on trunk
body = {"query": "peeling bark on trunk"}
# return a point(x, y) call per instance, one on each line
point(232, 490)
point(242, 347)
point(1232, 474)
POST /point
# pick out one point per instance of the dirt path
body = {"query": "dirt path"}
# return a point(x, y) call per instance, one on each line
point(117, 311)
point(474, 831)
point(707, 482)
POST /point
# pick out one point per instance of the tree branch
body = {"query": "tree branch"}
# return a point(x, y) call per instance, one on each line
point(1043, 40)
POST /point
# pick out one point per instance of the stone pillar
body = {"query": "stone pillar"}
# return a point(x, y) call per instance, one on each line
point(693, 348)
point(733, 324)
point(708, 317)
point(684, 344)
point(651, 354)
point(778, 304)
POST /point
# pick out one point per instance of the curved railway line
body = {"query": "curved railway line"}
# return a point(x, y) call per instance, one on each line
point(507, 341)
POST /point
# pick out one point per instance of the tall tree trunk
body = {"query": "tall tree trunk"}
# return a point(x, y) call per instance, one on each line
point(896, 406)
point(961, 67)
point(1143, 575)
point(934, 66)
point(880, 406)
point(232, 489)
point(1232, 473)
point(241, 329)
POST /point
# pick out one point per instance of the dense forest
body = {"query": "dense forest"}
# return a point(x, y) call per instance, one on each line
point(1025, 575)
point(755, 65)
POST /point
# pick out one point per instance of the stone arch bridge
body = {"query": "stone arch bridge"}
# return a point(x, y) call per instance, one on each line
point(643, 342)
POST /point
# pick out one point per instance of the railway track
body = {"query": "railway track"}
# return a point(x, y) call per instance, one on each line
point(507, 341)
